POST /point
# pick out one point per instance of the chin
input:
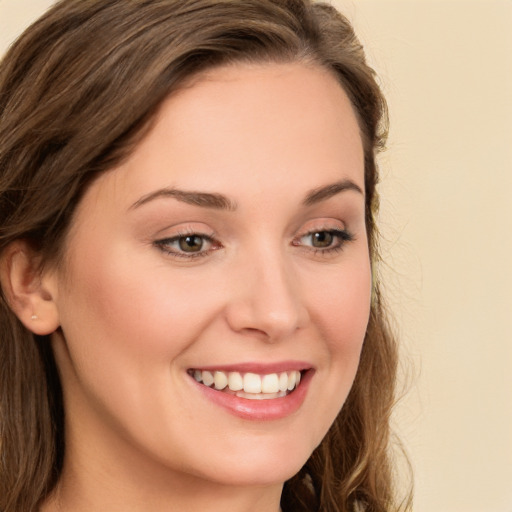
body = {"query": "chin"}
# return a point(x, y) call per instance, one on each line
point(260, 466)
point(257, 476)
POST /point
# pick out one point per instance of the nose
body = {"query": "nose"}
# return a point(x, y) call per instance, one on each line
point(266, 299)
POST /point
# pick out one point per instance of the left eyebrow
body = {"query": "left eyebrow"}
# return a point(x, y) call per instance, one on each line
point(321, 194)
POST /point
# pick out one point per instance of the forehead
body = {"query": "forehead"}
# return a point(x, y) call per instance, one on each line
point(290, 112)
point(258, 129)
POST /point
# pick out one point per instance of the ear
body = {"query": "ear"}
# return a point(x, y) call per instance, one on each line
point(30, 291)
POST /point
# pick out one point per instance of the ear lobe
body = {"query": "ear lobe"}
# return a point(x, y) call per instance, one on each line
point(30, 291)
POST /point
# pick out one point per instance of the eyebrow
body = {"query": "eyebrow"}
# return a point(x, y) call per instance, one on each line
point(221, 202)
point(323, 193)
point(203, 199)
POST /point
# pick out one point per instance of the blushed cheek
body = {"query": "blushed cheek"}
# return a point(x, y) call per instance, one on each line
point(154, 313)
point(346, 309)
point(103, 304)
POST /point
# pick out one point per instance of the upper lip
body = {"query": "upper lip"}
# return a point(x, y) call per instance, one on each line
point(259, 368)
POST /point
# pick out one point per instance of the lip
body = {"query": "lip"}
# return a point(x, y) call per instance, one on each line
point(259, 410)
point(260, 368)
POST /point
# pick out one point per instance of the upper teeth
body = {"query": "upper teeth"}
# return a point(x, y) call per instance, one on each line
point(249, 382)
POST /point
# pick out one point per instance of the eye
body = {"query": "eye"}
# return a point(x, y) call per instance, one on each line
point(188, 245)
point(191, 243)
point(322, 239)
point(325, 240)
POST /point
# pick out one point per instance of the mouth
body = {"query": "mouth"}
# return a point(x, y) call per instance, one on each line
point(248, 385)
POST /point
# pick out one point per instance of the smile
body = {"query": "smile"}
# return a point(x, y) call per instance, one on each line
point(249, 385)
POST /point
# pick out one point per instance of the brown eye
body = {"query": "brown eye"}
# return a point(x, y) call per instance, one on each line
point(326, 241)
point(191, 243)
point(189, 246)
point(322, 239)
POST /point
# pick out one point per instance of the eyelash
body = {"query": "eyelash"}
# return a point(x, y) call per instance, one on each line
point(342, 237)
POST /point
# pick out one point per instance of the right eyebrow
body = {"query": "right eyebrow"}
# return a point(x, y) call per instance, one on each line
point(203, 199)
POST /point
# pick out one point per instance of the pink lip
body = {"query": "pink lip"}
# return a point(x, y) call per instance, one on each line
point(260, 368)
point(259, 410)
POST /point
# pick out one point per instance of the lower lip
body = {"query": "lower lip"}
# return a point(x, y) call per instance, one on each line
point(260, 410)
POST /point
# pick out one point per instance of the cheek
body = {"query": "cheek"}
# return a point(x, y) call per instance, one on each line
point(342, 307)
point(136, 307)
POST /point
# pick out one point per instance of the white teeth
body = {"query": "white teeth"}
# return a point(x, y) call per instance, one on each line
point(283, 381)
point(270, 383)
point(235, 381)
point(220, 380)
point(250, 385)
point(207, 378)
point(291, 381)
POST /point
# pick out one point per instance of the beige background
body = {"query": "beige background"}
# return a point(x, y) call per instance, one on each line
point(446, 67)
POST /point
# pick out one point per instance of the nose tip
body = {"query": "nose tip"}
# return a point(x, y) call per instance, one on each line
point(268, 303)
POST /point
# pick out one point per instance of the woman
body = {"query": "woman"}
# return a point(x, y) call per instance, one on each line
point(189, 319)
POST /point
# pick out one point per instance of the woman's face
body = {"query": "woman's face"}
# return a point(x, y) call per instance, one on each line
point(230, 246)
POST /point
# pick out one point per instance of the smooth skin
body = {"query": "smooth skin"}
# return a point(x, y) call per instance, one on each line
point(263, 269)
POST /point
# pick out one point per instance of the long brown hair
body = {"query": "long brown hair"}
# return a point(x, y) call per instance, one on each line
point(78, 90)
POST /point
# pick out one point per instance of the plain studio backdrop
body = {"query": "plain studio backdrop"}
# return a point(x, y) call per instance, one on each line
point(446, 219)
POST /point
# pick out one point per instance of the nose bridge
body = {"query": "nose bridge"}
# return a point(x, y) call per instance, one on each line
point(267, 298)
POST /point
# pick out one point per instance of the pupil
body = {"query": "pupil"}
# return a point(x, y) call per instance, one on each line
point(322, 239)
point(191, 243)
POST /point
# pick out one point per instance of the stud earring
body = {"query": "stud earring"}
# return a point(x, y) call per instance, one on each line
point(34, 317)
